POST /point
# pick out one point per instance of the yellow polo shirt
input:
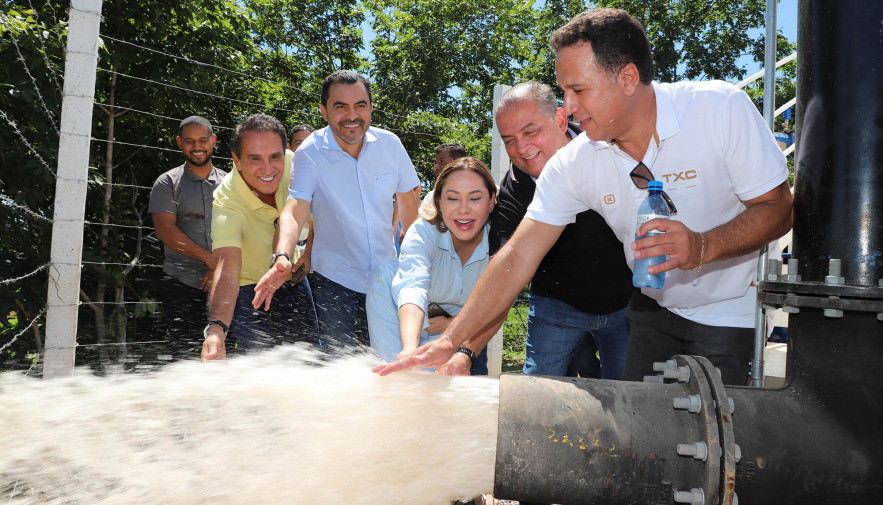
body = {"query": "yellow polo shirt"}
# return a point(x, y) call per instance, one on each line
point(240, 219)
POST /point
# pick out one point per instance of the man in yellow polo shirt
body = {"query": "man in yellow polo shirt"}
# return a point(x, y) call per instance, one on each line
point(246, 208)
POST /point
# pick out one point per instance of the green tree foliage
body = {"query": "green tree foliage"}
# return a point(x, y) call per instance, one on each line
point(300, 43)
point(541, 60)
point(696, 39)
point(443, 58)
point(691, 39)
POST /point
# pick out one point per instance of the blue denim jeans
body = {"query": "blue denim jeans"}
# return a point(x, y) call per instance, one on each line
point(555, 331)
point(339, 310)
point(291, 318)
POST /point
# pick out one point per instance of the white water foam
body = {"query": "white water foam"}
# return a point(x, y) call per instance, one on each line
point(279, 427)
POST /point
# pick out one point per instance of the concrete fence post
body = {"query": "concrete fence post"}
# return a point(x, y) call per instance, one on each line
point(81, 59)
point(499, 167)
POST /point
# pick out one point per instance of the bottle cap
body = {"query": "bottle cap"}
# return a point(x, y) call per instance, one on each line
point(655, 185)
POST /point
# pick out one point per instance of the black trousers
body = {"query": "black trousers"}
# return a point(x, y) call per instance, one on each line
point(657, 334)
point(185, 314)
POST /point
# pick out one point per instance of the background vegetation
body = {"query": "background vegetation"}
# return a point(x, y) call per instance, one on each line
point(433, 65)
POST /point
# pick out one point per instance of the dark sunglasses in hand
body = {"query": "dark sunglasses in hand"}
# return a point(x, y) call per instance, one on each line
point(641, 177)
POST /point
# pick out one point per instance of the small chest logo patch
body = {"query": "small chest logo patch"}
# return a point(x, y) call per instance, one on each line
point(609, 199)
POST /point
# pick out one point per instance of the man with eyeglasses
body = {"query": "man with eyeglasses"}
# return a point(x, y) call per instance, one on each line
point(720, 165)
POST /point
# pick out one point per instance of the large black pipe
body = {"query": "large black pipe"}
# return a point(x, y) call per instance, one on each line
point(839, 184)
point(818, 440)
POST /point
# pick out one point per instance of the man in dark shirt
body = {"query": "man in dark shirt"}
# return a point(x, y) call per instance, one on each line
point(582, 287)
point(181, 208)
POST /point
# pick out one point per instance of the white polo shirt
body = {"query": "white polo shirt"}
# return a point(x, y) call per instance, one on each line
point(351, 202)
point(714, 152)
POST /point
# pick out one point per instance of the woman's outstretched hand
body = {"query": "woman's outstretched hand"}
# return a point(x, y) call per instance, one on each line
point(431, 355)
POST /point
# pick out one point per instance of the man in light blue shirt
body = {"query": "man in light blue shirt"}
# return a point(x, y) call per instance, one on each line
point(346, 174)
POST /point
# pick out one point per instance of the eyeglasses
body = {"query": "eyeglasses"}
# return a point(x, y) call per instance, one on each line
point(641, 177)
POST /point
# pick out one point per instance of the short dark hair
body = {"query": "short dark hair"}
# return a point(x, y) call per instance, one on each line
point(194, 120)
point(616, 37)
point(256, 123)
point(431, 213)
point(343, 77)
point(455, 149)
point(300, 128)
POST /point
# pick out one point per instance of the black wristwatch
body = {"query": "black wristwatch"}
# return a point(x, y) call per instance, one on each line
point(276, 256)
point(217, 323)
point(467, 351)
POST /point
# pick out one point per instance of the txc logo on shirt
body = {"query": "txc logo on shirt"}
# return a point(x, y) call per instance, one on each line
point(679, 176)
point(609, 199)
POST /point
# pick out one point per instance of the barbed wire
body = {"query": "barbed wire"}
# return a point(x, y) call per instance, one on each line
point(254, 104)
point(4, 282)
point(122, 185)
point(18, 132)
point(210, 65)
point(156, 115)
point(81, 303)
point(22, 332)
point(24, 65)
point(150, 147)
point(44, 52)
point(123, 343)
point(205, 93)
point(23, 209)
point(132, 226)
point(243, 74)
point(120, 264)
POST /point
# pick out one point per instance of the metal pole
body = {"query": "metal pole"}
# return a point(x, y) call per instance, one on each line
point(81, 59)
point(769, 107)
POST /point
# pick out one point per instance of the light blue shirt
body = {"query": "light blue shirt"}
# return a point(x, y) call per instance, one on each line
point(428, 271)
point(351, 202)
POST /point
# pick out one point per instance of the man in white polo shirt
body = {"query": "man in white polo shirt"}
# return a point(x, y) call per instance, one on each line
point(720, 166)
point(347, 173)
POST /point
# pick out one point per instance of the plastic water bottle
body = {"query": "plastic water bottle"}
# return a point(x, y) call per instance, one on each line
point(652, 207)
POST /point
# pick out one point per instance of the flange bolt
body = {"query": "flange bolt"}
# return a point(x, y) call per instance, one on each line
point(692, 403)
point(682, 374)
point(660, 366)
point(698, 450)
point(694, 496)
point(833, 279)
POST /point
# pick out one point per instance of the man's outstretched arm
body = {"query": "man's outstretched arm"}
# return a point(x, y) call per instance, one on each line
point(291, 220)
point(509, 271)
point(222, 300)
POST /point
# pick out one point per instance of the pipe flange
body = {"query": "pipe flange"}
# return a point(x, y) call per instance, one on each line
point(724, 412)
point(698, 383)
